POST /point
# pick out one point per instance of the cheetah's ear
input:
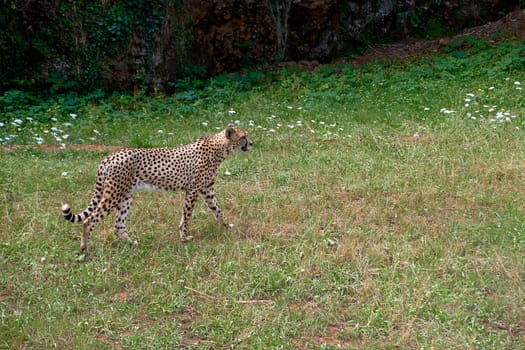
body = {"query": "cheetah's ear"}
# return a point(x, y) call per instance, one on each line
point(229, 131)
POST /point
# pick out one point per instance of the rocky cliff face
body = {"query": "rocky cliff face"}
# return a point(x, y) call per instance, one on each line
point(227, 34)
point(123, 44)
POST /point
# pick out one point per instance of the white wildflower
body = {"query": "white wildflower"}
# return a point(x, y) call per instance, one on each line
point(227, 173)
point(96, 131)
point(64, 173)
point(331, 242)
point(1, 125)
point(73, 115)
point(205, 123)
point(446, 111)
point(231, 111)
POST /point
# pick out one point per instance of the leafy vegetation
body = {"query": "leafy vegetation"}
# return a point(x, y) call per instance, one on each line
point(84, 39)
point(381, 207)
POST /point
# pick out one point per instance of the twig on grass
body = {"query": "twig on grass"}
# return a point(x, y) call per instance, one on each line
point(257, 301)
point(202, 294)
point(211, 297)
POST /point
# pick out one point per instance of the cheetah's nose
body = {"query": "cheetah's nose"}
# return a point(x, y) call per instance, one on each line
point(247, 146)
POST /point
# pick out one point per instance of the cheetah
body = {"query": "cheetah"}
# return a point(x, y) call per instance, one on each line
point(191, 168)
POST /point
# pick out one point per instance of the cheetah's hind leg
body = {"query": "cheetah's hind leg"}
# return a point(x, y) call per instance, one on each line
point(101, 211)
point(123, 209)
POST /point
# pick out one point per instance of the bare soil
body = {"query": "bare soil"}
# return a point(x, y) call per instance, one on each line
point(512, 26)
point(54, 148)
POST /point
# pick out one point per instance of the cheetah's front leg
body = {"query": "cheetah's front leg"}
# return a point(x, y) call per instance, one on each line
point(189, 203)
point(213, 205)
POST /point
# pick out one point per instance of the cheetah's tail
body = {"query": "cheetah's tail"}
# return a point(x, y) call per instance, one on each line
point(66, 211)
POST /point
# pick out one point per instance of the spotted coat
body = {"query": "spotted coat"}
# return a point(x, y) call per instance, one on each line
point(191, 168)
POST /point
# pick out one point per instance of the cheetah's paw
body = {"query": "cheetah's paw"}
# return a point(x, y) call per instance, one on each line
point(186, 239)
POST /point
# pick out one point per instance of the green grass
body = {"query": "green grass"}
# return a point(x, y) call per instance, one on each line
point(367, 215)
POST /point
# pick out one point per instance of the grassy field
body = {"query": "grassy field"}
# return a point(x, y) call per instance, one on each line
point(381, 207)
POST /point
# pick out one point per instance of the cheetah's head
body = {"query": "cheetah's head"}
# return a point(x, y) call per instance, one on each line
point(238, 138)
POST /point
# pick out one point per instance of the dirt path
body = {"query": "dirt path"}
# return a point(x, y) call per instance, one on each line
point(512, 26)
point(67, 148)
